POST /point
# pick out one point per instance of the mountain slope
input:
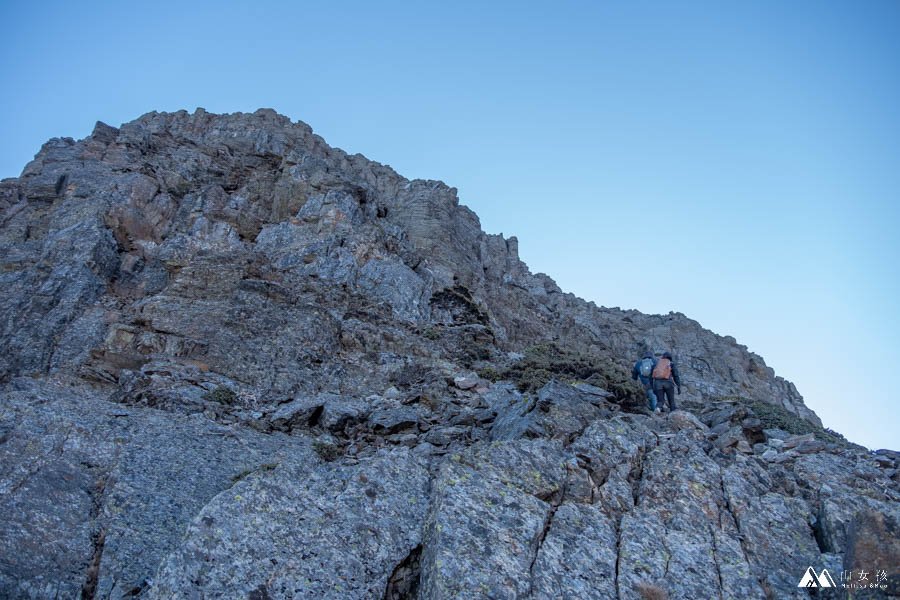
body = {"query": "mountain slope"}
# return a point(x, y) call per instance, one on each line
point(355, 392)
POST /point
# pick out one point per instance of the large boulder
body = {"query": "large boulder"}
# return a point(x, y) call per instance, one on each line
point(290, 532)
point(96, 494)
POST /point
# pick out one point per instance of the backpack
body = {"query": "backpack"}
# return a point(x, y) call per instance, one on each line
point(646, 367)
point(663, 369)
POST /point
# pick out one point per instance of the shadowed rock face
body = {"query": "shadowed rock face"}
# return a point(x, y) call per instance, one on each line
point(240, 363)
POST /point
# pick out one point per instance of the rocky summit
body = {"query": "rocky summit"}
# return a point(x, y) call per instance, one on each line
point(239, 363)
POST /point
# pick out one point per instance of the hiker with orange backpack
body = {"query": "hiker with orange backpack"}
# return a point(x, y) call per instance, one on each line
point(665, 379)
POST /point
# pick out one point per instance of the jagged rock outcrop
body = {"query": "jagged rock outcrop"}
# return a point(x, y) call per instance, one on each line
point(240, 363)
point(201, 236)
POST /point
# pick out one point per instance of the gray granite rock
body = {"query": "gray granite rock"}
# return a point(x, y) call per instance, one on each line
point(291, 532)
point(238, 362)
point(577, 557)
point(96, 494)
point(873, 546)
point(488, 517)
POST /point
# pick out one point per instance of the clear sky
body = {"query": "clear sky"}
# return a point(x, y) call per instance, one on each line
point(738, 162)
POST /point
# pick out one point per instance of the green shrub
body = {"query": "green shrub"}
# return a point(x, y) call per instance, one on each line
point(326, 451)
point(648, 591)
point(544, 362)
point(490, 373)
point(432, 333)
point(222, 395)
point(777, 417)
point(459, 303)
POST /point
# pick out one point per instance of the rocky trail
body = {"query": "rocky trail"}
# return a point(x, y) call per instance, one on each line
point(239, 363)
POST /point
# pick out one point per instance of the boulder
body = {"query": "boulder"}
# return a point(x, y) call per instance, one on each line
point(270, 534)
point(730, 438)
point(100, 501)
point(465, 382)
point(873, 547)
point(796, 440)
point(488, 523)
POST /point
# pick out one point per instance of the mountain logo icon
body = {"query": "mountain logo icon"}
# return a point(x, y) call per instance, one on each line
point(810, 580)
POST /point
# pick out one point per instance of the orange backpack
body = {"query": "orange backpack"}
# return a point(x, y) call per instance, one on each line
point(663, 369)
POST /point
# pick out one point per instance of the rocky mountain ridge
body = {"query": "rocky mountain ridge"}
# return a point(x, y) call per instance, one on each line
point(241, 363)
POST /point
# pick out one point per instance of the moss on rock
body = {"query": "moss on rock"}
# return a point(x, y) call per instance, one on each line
point(547, 361)
point(222, 395)
point(777, 417)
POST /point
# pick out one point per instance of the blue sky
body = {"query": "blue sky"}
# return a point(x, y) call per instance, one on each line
point(737, 162)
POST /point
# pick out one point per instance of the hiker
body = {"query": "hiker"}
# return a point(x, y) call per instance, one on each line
point(643, 369)
point(665, 379)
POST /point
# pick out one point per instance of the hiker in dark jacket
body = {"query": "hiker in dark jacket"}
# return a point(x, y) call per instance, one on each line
point(665, 378)
point(643, 370)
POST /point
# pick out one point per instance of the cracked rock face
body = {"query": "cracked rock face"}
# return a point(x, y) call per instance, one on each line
point(240, 363)
point(334, 532)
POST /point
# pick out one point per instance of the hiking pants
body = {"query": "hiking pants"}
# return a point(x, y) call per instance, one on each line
point(663, 388)
point(651, 396)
